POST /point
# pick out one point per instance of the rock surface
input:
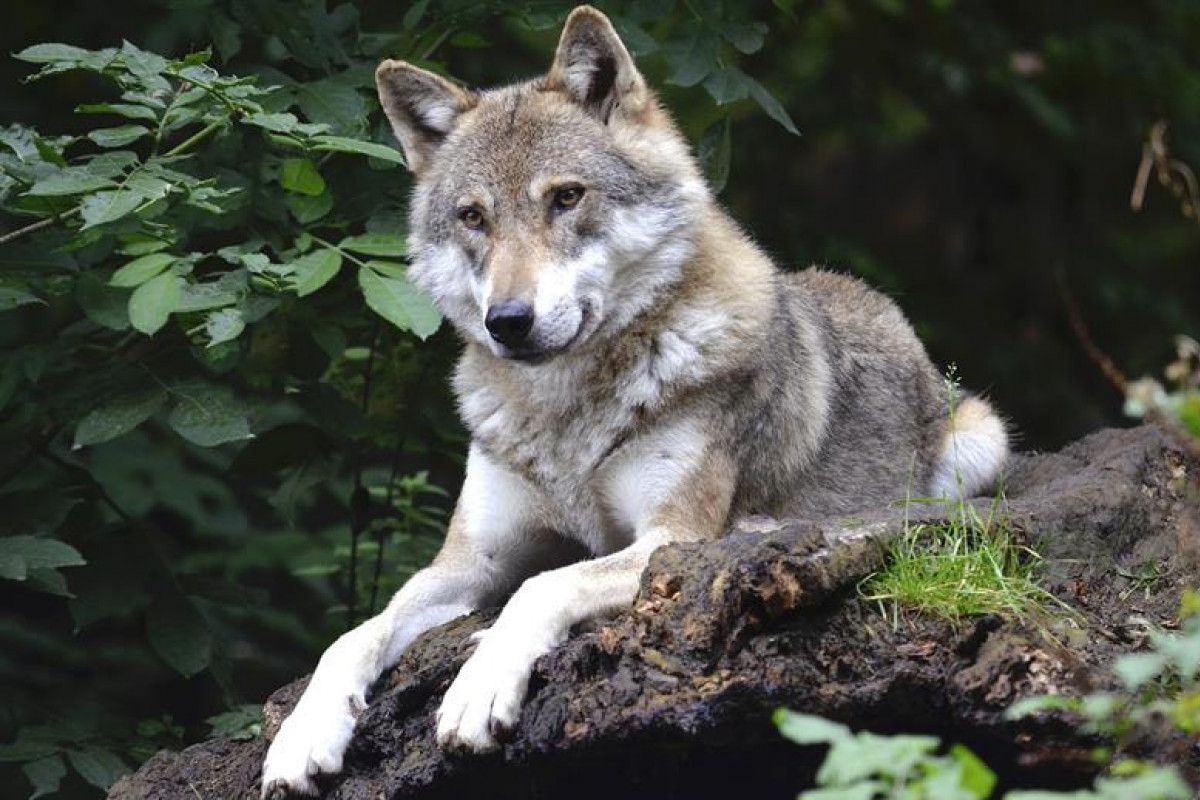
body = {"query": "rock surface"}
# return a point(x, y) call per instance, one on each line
point(673, 698)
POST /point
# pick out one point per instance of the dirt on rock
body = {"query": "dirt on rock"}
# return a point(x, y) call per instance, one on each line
point(673, 698)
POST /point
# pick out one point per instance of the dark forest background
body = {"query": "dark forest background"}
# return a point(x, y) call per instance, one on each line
point(161, 571)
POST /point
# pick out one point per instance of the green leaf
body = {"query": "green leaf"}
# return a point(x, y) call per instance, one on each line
point(12, 297)
point(396, 300)
point(977, 777)
point(747, 38)
point(45, 775)
point(695, 60)
point(118, 136)
point(38, 553)
point(117, 417)
point(223, 326)
point(300, 175)
point(1157, 783)
point(240, 724)
point(97, 766)
point(179, 634)
point(208, 415)
point(1037, 705)
point(102, 207)
point(727, 85)
point(342, 144)
point(68, 182)
point(128, 110)
point(104, 305)
point(808, 729)
point(773, 107)
point(50, 581)
point(335, 103)
point(225, 291)
point(49, 53)
point(13, 567)
point(140, 270)
point(32, 743)
point(1136, 669)
point(312, 271)
point(866, 754)
point(276, 123)
point(376, 244)
point(867, 790)
point(151, 304)
point(309, 209)
point(139, 244)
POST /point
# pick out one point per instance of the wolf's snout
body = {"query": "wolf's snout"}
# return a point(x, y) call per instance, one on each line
point(509, 322)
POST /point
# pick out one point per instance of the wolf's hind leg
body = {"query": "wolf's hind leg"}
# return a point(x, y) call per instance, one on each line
point(973, 449)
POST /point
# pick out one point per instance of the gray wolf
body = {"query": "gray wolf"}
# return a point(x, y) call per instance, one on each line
point(635, 372)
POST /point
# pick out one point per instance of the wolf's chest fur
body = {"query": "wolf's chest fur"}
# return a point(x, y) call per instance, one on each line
point(582, 431)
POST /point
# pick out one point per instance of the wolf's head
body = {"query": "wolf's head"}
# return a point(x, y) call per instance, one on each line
point(549, 213)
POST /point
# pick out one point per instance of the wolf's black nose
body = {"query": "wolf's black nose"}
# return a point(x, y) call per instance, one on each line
point(509, 322)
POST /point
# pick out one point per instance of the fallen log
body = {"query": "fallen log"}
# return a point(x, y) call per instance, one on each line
point(673, 698)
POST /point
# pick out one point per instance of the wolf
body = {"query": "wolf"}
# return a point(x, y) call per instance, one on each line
point(635, 372)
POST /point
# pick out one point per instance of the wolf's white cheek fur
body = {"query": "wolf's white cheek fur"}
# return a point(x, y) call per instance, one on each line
point(444, 273)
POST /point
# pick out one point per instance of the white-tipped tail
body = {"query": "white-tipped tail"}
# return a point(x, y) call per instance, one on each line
point(974, 448)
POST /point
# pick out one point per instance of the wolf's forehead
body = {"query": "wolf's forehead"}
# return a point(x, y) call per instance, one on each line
point(518, 134)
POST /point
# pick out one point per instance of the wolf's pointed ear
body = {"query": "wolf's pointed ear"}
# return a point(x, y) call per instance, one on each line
point(422, 107)
point(593, 67)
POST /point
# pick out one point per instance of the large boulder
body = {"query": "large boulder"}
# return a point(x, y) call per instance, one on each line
point(673, 698)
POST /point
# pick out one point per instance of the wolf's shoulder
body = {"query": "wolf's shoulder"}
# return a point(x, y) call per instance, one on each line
point(839, 289)
point(863, 318)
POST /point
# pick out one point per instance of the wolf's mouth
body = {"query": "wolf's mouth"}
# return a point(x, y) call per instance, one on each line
point(534, 357)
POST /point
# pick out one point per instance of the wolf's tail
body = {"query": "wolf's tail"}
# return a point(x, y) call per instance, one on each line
point(973, 450)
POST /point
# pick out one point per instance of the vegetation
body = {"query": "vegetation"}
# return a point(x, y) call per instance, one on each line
point(225, 432)
point(218, 385)
point(1161, 697)
point(964, 566)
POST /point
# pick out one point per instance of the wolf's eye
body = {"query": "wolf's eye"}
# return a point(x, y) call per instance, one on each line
point(472, 218)
point(567, 197)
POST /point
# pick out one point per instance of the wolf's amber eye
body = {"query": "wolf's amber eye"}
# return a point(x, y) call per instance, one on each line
point(567, 197)
point(472, 218)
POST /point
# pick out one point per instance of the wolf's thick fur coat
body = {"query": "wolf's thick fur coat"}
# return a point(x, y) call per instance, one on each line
point(671, 379)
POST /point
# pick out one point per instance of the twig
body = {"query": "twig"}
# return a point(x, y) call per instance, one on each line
point(1116, 377)
point(39, 225)
point(1098, 357)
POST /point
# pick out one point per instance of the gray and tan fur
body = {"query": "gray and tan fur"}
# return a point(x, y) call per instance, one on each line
point(635, 372)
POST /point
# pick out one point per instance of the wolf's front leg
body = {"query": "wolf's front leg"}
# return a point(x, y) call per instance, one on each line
point(493, 543)
point(485, 698)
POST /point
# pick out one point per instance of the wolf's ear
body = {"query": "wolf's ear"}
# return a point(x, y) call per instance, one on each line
point(422, 107)
point(593, 67)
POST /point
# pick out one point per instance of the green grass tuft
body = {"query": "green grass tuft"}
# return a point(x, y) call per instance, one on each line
point(964, 566)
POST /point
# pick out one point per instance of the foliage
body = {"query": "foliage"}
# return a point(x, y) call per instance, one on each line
point(224, 425)
point(1162, 686)
point(1182, 402)
point(864, 766)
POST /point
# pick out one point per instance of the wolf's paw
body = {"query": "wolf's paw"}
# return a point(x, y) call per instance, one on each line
point(484, 701)
point(310, 742)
